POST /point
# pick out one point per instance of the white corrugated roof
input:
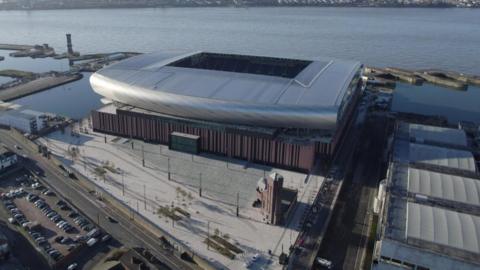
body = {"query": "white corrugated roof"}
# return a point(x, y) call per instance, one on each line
point(443, 227)
point(438, 134)
point(444, 186)
point(440, 156)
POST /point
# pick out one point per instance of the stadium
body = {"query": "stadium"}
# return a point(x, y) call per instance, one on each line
point(276, 111)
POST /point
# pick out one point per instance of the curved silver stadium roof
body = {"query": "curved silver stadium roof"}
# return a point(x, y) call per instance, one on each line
point(238, 89)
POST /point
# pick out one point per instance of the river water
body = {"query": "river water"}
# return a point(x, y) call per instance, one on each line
point(410, 38)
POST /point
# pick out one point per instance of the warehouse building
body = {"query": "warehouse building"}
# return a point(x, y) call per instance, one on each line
point(7, 158)
point(429, 217)
point(441, 136)
point(420, 236)
point(276, 111)
point(27, 121)
point(434, 156)
point(447, 190)
point(429, 220)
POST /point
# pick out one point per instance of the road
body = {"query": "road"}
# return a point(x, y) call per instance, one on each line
point(347, 236)
point(125, 231)
point(306, 251)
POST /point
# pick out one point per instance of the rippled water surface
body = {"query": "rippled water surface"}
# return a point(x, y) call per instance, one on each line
point(412, 38)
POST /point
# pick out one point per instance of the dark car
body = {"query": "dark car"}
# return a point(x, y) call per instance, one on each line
point(59, 238)
point(112, 219)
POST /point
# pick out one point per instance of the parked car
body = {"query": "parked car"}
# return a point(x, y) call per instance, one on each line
point(106, 237)
point(88, 227)
point(92, 241)
point(32, 197)
point(59, 238)
point(60, 223)
point(41, 238)
point(26, 224)
point(42, 242)
point(65, 241)
point(80, 238)
point(324, 263)
point(93, 233)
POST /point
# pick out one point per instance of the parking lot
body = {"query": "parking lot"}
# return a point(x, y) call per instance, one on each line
point(52, 224)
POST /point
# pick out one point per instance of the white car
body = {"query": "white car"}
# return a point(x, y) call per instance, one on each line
point(26, 224)
point(72, 266)
point(324, 263)
point(106, 237)
point(61, 223)
point(92, 241)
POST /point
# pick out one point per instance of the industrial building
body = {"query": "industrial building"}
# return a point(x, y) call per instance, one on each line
point(7, 158)
point(276, 111)
point(27, 121)
point(420, 236)
point(448, 190)
point(429, 218)
point(432, 135)
point(434, 156)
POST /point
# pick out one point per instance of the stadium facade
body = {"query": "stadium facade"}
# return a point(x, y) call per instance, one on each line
point(276, 111)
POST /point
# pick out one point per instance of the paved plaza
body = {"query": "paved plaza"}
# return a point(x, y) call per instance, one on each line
point(147, 188)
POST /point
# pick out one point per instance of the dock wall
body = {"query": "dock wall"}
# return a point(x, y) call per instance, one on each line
point(35, 86)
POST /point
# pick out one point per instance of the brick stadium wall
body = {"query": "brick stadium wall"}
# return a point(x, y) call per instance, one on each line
point(247, 147)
